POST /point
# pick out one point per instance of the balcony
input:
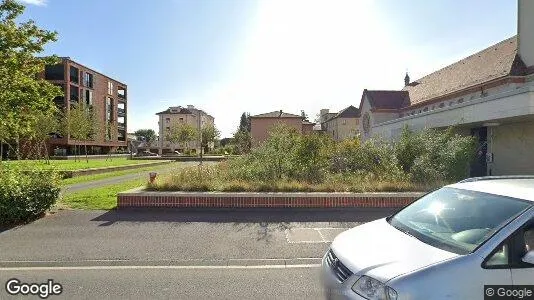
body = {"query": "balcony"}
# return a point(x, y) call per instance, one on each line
point(121, 126)
point(121, 112)
point(121, 93)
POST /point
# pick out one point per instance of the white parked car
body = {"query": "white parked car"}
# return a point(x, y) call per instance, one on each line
point(449, 244)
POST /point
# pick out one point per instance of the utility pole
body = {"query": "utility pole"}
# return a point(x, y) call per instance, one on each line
point(200, 134)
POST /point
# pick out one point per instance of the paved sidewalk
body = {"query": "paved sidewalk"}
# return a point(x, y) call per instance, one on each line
point(162, 169)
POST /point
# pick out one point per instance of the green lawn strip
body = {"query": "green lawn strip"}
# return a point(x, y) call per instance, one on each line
point(75, 165)
point(87, 178)
point(99, 198)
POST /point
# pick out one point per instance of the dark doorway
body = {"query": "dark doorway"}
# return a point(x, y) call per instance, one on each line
point(479, 166)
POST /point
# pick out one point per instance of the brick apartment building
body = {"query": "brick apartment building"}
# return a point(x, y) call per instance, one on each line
point(262, 123)
point(106, 96)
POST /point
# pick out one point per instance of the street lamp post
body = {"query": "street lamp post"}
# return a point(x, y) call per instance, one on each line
point(200, 134)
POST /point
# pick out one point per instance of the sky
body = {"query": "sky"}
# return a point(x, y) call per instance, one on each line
point(233, 56)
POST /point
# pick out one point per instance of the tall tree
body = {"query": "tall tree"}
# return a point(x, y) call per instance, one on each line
point(210, 133)
point(80, 124)
point(23, 96)
point(244, 122)
point(149, 135)
point(304, 115)
point(45, 126)
point(182, 133)
point(243, 141)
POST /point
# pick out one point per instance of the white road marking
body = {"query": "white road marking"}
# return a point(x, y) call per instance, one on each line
point(317, 229)
point(159, 267)
point(322, 236)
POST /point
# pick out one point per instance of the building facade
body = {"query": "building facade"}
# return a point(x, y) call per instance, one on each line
point(261, 124)
point(489, 95)
point(342, 125)
point(107, 98)
point(174, 116)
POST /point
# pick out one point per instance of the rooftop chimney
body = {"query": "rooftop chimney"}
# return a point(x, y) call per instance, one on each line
point(406, 79)
point(525, 31)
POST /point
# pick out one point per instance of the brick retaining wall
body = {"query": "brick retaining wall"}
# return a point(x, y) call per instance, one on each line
point(147, 199)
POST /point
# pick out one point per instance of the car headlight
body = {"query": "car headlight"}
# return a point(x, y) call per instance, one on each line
point(373, 289)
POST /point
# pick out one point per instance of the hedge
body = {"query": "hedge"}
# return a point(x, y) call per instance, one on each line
point(26, 195)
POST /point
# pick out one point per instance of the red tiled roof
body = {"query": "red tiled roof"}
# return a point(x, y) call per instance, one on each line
point(387, 99)
point(276, 114)
point(348, 112)
point(497, 61)
point(179, 110)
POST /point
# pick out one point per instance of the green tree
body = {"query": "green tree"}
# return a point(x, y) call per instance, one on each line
point(244, 122)
point(148, 134)
point(210, 134)
point(304, 115)
point(23, 95)
point(45, 126)
point(242, 141)
point(81, 124)
point(182, 133)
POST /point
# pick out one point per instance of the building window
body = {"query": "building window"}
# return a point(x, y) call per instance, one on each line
point(109, 117)
point(88, 80)
point(121, 92)
point(55, 72)
point(181, 120)
point(74, 93)
point(88, 97)
point(110, 88)
point(74, 75)
point(167, 120)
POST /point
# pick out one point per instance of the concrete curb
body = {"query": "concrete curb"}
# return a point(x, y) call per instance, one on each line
point(171, 262)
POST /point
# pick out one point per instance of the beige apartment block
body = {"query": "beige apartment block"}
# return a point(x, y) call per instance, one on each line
point(342, 125)
point(197, 118)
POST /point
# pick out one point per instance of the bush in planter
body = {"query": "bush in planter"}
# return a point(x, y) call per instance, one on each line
point(26, 195)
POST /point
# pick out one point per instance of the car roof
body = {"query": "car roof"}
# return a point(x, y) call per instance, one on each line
point(515, 187)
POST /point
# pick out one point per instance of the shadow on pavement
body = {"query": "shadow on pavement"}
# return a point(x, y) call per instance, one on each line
point(244, 215)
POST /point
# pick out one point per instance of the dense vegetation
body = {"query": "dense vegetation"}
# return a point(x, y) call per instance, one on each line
point(289, 161)
point(26, 111)
point(26, 195)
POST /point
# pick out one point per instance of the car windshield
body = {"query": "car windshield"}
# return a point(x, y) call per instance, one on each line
point(457, 220)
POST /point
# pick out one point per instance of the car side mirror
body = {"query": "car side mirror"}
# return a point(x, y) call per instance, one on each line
point(529, 257)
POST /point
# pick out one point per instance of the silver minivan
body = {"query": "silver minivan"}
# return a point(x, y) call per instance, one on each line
point(459, 242)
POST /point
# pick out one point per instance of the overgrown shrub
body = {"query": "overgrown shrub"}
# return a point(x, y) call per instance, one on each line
point(26, 195)
point(374, 157)
point(289, 161)
point(434, 155)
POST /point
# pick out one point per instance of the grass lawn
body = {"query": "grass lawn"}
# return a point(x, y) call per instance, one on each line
point(99, 198)
point(87, 178)
point(70, 165)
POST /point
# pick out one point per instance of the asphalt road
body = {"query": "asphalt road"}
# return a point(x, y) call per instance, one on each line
point(287, 283)
point(179, 254)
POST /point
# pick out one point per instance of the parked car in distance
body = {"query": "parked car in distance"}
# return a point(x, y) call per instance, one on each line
point(146, 153)
point(448, 244)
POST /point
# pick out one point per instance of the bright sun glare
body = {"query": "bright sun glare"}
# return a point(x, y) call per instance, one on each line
point(436, 208)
